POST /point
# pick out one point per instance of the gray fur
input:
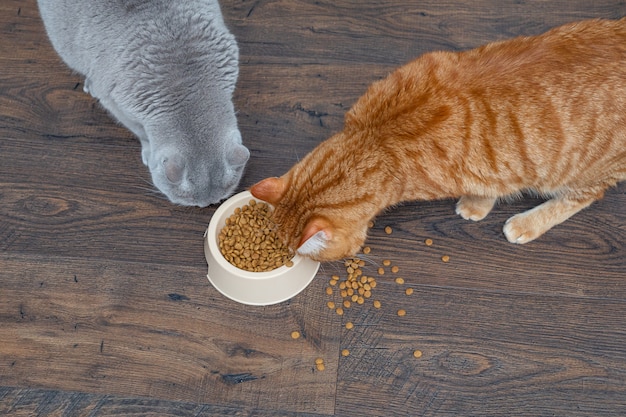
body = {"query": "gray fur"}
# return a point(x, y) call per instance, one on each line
point(166, 70)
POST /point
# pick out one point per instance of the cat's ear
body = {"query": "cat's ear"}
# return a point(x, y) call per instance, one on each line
point(315, 236)
point(269, 189)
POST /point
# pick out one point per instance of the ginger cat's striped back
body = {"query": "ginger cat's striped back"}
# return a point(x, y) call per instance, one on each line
point(545, 114)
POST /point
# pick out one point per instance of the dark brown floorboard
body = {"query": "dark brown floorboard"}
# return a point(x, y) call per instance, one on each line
point(104, 304)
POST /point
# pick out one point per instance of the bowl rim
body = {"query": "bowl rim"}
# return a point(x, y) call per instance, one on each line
point(218, 221)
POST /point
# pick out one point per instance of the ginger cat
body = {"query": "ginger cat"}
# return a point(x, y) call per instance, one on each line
point(545, 114)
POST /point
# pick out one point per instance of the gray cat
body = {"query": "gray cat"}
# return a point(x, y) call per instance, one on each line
point(167, 71)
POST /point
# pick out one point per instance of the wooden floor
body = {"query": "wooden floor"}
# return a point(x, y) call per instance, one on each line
point(105, 308)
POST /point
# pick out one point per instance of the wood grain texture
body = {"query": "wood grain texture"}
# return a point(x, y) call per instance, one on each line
point(105, 308)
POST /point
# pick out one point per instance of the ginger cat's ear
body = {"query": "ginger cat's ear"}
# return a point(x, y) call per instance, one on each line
point(315, 236)
point(269, 189)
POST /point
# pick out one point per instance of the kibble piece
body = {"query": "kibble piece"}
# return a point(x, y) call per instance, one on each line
point(320, 366)
point(346, 304)
point(417, 353)
point(318, 361)
point(399, 280)
point(295, 335)
point(428, 242)
point(388, 230)
point(377, 304)
point(394, 269)
point(401, 312)
point(345, 352)
point(445, 258)
point(381, 271)
point(370, 224)
point(367, 250)
point(330, 305)
point(339, 311)
point(408, 291)
point(386, 262)
point(349, 325)
point(329, 291)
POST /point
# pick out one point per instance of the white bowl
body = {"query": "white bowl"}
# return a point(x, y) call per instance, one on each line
point(253, 288)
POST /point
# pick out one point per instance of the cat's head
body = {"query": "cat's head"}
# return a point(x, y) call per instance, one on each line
point(321, 233)
point(198, 169)
point(323, 204)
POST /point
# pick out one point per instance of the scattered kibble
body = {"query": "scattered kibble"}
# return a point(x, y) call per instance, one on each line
point(394, 269)
point(445, 258)
point(399, 280)
point(388, 230)
point(339, 311)
point(248, 240)
point(331, 305)
point(345, 352)
point(408, 291)
point(349, 325)
point(377, 304)
point(381, 271)
point(386, 262)
point(401, 312)
point(367, 250)
point(295, 335)
point(329, 291)
point(428, 242)
point(370, 224)
point(417, 353)
point(319, 364)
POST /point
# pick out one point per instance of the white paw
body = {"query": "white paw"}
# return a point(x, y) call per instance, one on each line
point(474, 208)
point(468, 214)
point(86, 86)
point(517, 230)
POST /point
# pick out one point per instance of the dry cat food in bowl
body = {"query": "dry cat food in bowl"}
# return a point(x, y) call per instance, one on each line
point(256, 280)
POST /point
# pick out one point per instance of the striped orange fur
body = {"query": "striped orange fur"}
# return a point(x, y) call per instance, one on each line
point(545, 114)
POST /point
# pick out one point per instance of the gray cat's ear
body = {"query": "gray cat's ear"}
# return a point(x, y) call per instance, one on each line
point(238, 156)
point(174, 168)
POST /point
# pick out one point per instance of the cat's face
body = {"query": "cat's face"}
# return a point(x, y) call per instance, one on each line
point(323, 204)
point(196, 165)
point(321, 233)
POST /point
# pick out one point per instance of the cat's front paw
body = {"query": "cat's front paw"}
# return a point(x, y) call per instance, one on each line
point(474, 208)
point(87, 86)
point(521, 228)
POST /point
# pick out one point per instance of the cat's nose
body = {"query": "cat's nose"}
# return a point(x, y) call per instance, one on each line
point(174, 168)
point(238, 156)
